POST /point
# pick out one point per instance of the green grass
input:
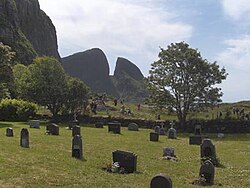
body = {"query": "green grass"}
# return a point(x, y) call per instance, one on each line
point(48, 161)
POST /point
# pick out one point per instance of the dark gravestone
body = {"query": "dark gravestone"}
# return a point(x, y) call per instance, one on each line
point(34, 124)
point(99, 125)
point(171, 133)
point(208, 151)
point(161, 181)
point(114, 127)
point(207, 172)
point(162, 131)
point(154, 137)
point(9, 132)
point(197, 130)
point(168, 152)
point(126, 160)
point(76, 130)
point(195, 139)
point(77, 147)
point(157, 129)
point(133, 127)
point(52, 129)
point(24, 138)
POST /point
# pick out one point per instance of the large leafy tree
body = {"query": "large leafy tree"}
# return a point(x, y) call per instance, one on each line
point(181, 79)
point(44, 82)
point(6, 74)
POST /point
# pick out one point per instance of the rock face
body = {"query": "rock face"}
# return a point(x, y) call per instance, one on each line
point(27, 30)
point(128, 81)
point(92, 67)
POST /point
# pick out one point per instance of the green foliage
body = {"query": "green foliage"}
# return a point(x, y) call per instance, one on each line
point(76, 98)
point(43, 82)
point(13, 109)
point(181, 79)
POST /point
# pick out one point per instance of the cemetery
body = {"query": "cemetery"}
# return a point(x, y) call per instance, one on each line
point(78, 156)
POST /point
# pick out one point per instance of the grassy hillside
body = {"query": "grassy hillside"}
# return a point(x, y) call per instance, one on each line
point(48, 161)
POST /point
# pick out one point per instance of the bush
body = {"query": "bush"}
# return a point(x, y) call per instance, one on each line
point(13, 109)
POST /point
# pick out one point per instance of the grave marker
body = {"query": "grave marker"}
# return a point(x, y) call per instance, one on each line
point(24, 138)
point(171, 133)
point(99, 125)
point(52, 129)
point(126, 160)
point(207, 150)
point(133, 127)
point(114, 127)
point(154, 137)
point(34, 124)
point(168, 152)
point(9, 132)
point(76, 130)
point(77, 147)
point(207, 172)
point(161, 181)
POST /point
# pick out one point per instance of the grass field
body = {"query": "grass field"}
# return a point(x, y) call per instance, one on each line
point(48, 161)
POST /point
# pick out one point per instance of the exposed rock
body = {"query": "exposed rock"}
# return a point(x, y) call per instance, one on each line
point(92, 67)
point(129, 81)
point(27, 30)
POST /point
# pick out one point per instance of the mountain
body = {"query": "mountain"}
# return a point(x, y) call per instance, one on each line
point(129, 81)
point(92, 67)
point(27, 30)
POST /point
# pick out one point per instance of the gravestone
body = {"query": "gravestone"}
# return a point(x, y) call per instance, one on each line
point(74, 122)
point(99, 125)
point(207, 172)
point(24, 138)
point(162, 131)
point(133, 127)
point(195, 139)
point(161, 181)
point(157, 129)
point(168, 152)
point(171, 133)
point(77, 147)
point(52, 129)
point(207, 150)
point(34, 124)
point(197, 130)
point(114, 127)
point(76, 130)
point(9, 132)
point(154, 137)
point(126, 160)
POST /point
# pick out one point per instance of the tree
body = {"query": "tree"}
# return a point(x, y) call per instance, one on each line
point(44, 82)
point(181, 79)
point(76, 99)
point(6, 74)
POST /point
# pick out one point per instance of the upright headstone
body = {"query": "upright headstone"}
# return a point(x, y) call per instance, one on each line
point(126, 160)
point(197, 129)
point(77, 147)
point(161, 181)
point(168, 152)
point(9, 132)
point(171, 133)
point(162, 131)
point(208, 151)
point(133, 127)
point(24, 138)
point(52, 129)
point(34, 124)
point(76, 130)
point(157, 129)
point(114, 127)
point(207, 172)
point(154, 137)
point(99, 125)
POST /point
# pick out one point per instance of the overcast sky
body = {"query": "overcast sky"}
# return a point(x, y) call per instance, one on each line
point(135, 29)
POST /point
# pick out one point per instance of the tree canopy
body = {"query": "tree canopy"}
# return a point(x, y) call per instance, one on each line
point(181, 79)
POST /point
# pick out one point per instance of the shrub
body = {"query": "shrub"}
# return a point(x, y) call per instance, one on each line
point(13, 109)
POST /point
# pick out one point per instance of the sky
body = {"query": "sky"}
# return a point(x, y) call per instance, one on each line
point(136, 29)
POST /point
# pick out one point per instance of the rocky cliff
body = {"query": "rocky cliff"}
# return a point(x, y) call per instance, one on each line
point(27, 30)
point(129, 81)
point(92, 67)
